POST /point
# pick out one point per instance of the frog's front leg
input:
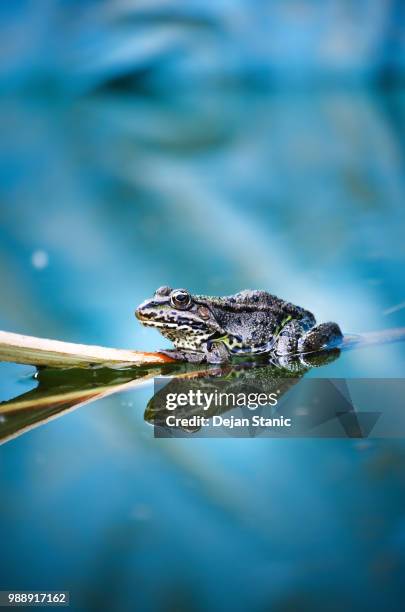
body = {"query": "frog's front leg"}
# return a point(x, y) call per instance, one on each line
point(319, 337)
point(287, 341)
point(214, 352)
point(183, 355)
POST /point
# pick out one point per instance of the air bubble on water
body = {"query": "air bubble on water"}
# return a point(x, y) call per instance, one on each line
point(39, 259)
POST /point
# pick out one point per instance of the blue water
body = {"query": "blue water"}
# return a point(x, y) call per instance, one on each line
point(213, 146)
point(104, 200)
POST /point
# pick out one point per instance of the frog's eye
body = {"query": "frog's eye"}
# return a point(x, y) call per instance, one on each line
point(180, 299)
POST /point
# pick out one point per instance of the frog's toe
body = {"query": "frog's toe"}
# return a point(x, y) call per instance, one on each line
point(194, 357)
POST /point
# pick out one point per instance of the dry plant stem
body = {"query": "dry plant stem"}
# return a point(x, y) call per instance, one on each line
point(65, 402)
point(54, 353)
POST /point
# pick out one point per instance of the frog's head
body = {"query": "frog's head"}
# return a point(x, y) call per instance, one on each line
point(187, 320)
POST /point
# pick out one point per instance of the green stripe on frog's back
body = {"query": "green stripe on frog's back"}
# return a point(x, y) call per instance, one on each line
point(283, 323)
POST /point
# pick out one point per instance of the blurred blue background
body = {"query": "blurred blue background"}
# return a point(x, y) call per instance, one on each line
point(215, 146)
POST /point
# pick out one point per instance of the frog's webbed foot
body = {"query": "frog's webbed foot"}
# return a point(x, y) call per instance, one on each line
point(302, 362)
point(324, 335)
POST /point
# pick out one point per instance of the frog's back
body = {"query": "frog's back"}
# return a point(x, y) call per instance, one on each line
point(250, 300)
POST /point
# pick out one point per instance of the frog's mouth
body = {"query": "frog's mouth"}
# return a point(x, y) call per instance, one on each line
point(151, 320)
point(175, 324)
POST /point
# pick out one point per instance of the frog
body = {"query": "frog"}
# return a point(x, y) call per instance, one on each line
point(251, 322)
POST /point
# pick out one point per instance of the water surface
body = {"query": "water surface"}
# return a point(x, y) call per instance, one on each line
point(108, 197)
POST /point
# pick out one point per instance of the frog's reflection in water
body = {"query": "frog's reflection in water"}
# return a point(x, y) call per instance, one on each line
point(60, 391)
point(238, 380)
